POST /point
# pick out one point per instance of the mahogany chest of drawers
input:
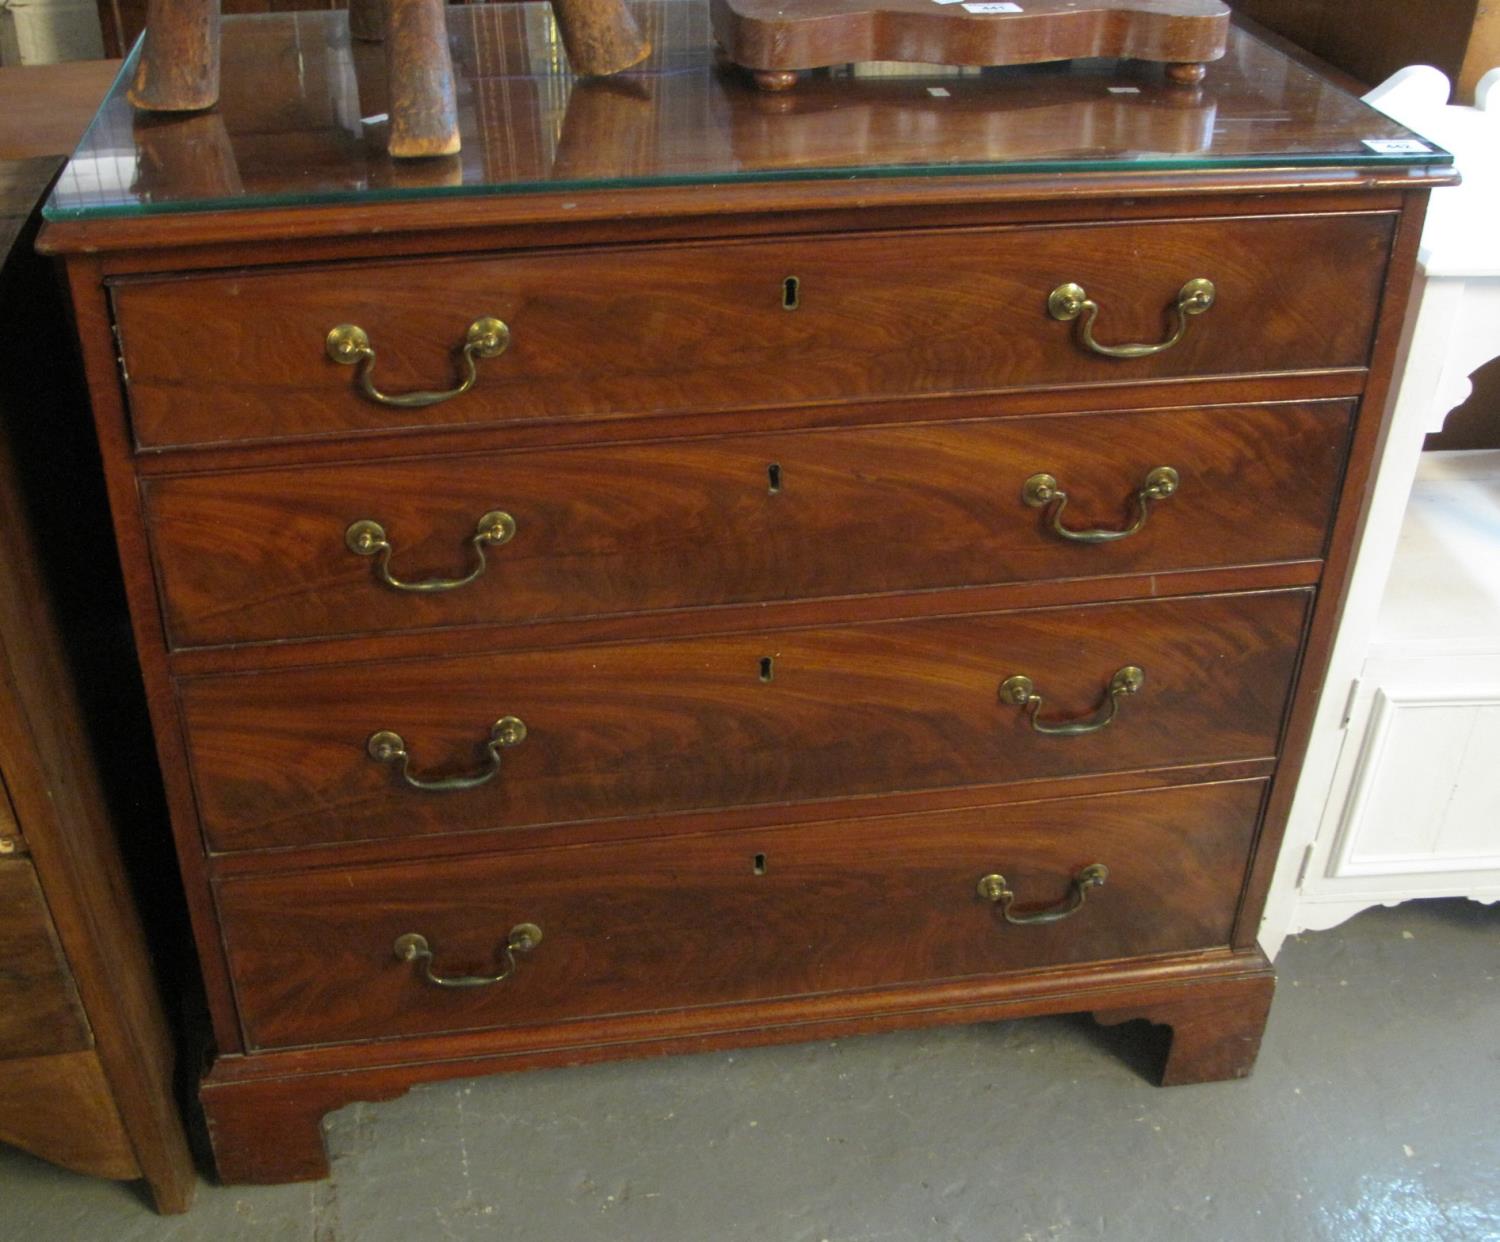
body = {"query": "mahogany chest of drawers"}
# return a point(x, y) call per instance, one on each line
point(703, 569)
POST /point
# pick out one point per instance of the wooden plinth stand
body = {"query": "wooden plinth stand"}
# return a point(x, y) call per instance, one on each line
point(774, 42)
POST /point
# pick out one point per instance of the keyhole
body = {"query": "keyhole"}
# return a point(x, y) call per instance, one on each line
point(758, 867)
point(773, 478)
point(767, 668)
point(791, 290)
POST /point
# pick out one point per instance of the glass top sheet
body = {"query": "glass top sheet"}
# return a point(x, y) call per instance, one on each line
point(302, 120)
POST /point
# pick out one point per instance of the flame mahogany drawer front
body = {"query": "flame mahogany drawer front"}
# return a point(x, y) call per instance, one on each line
point(266, 555)
point(733, 917)
point(638, 729)
point(692, 328)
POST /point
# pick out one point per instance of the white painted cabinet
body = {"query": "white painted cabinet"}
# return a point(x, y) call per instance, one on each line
point(1399, 796)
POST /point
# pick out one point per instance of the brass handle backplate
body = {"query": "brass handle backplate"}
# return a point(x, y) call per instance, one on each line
point(996, 888)
point(1042, 490)
point(412, 947)
point(1021, 691)
point(349, 345)
point(367, 537)
point(1068, 302)
point(387, 747)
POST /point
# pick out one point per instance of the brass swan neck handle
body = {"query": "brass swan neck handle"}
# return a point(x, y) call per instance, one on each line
point(385, 746)
point(1069, 302)
point(349, 345)
point(1043, 490)
point(1020, 690)
point(996, 888)
point(413, 947)
point(367, 537)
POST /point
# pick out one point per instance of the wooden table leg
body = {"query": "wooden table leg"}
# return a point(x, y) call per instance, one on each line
point(600, 36)
point(424, 104)
point(179, 66)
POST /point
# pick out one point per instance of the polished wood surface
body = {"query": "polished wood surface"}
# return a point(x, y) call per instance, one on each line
point(654, 354)
point(652, 728)
point(104, 1101)
point(261, 555)
point(62, 1108)
point(46, 108)
point(694, 328)
point(762, 35)
point(834, 906)
point(39, 1008)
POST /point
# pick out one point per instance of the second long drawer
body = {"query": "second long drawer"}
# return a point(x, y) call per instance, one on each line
point(399, 748)
point(603, 530)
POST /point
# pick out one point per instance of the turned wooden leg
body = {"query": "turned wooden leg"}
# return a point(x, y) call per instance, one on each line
point(599, 36)
point(178, 70)
point(419, 70)
point(774, 79)
point(1187, 72)
point(1215, 1031)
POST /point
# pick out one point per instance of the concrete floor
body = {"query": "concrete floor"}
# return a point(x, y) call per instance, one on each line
point(1374, 1113)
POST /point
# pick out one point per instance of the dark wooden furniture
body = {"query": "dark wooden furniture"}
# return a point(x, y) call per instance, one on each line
point(762, 688)
point(774, 41)
point(1371, 39)
point(86, 1059)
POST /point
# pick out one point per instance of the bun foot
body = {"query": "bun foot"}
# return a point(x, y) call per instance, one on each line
point(1187, 72)
point(774, 79)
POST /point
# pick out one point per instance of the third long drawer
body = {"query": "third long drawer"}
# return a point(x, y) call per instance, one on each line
point(392, 748)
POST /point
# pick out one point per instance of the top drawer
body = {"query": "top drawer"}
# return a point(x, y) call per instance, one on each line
point(692, 328)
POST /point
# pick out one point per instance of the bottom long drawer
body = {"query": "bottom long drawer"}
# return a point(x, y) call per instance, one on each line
point(584, 931)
